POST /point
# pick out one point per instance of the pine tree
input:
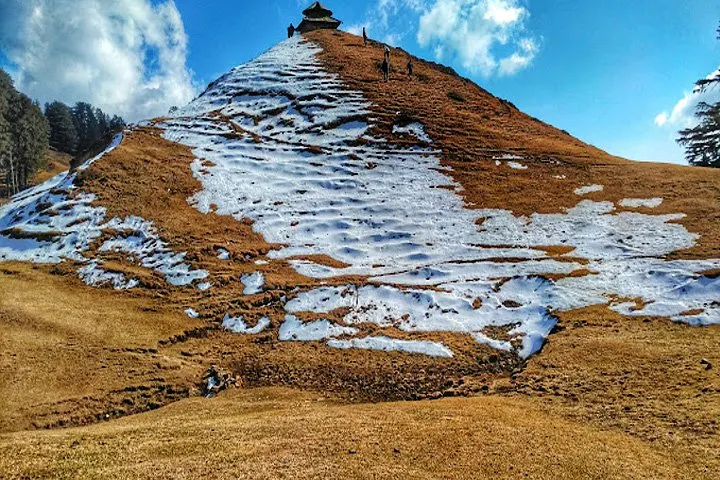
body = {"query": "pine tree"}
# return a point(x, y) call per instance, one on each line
point(103, 122)
point(86, 125)
point(7, 150)
point(702, 142)
point(31, 135)
point(116, 123)
point(63, 135)
point(24, 136)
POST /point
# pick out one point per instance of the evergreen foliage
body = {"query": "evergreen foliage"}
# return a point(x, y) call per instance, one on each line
point(63, 134)
point(74, 130)
point(24, 137)
point(702, 142)
point(26, 133)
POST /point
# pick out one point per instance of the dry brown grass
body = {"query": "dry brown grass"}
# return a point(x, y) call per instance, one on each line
point(605, 387)
point(57, 162)
point(643, 376)
point(286, 434)
point(71, 354)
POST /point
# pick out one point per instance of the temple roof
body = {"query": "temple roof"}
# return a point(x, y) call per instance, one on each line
point(324, 23)
point(317, 10)
point(317, 17)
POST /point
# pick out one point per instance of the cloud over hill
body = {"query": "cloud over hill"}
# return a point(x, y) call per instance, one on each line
point(135, 65)
point(488, 37)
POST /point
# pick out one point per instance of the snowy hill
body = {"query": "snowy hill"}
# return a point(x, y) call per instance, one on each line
point(287, 144)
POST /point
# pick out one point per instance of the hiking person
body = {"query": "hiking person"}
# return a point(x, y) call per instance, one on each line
point(291, 30)
point(387, 53)
point(365, 38)
point(386, 68)
point(410, 67)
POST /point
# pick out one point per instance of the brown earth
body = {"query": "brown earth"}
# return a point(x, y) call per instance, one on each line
point(608, 396)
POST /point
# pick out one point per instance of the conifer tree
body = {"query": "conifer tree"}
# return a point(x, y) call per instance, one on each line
point(103, 122)
point(63, 135)
point(702, 142)
point(86, 125)
point(24, 136)
point(116, 123)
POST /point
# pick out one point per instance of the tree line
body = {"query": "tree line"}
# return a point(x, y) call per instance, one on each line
point(26, 133)
point(24, 136)
point(74, 130)
point(702, 142)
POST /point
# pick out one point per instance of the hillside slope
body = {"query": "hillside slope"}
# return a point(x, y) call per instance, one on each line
point(304, 224)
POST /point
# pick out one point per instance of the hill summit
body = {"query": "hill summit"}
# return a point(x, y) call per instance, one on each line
point(322, 214)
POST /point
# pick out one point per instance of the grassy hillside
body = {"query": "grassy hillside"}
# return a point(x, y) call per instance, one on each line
point(57, 162)
point(105, 383)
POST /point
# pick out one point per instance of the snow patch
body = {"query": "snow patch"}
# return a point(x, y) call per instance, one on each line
point(69, 224)
point(238, 325)
point(393, 215)
point(253, 283)
point(95, 276)
point(508, 156)
point(415, 129)
point(589, 189)
point(386, 344)
point(295, 330)
point(517, 166)
point(641, 202)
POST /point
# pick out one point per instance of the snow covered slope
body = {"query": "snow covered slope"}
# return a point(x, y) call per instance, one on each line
point(285, 143)
point(303, 167)
point(56, 221)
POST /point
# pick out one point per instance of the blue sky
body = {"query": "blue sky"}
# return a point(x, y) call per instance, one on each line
point(604, 71)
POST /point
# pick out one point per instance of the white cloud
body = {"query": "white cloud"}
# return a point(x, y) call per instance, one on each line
point(128, 57)
point(661, 119)
point(682, 114)
point(390, 20)
point(520, 59)
point(487, 36)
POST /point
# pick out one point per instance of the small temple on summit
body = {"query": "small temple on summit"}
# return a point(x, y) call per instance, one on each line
point(317, 17)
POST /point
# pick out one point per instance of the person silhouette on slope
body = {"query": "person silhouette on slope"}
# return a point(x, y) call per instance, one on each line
point(291, 30)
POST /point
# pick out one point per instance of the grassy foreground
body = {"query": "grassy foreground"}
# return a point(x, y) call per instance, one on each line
point(66, 350)
point(278, 433)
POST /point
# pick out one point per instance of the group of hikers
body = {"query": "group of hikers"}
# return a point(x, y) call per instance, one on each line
point(385, 67)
